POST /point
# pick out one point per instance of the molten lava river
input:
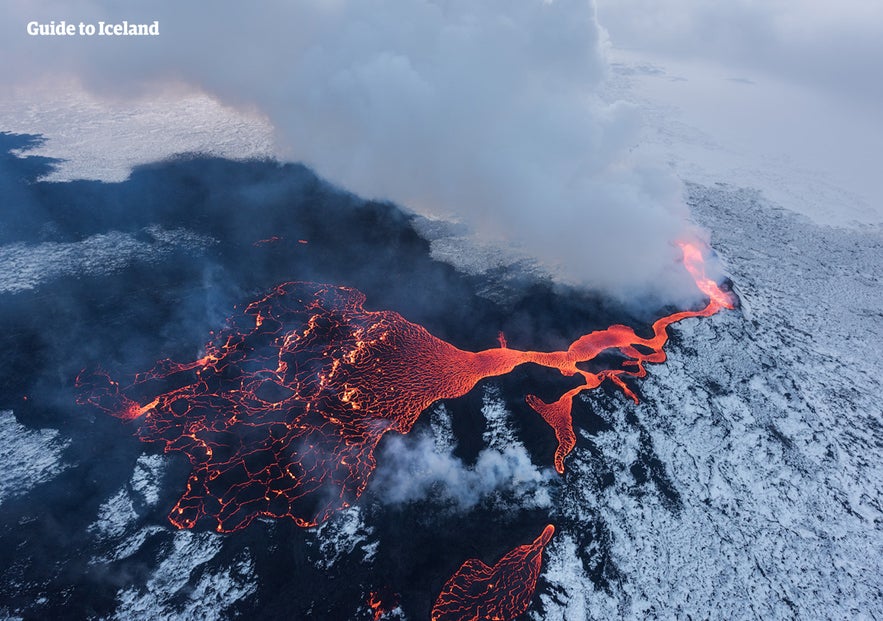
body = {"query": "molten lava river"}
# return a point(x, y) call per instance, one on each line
point(281, 416)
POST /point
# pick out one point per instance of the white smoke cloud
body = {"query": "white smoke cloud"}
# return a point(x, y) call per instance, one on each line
point(416, 467)
point(488, 111)
point(412, 469)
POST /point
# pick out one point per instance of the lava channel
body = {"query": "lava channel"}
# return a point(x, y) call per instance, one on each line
point(281, 416)
point(501, 592)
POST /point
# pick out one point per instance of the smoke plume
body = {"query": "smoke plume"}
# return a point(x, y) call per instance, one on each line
point(489, 112)
point(413, 469)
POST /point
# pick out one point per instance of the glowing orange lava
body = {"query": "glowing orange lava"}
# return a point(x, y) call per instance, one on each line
point(270, 240)
point(382, 603)
point(281, 416)
point(501, 592)
point(376, 605)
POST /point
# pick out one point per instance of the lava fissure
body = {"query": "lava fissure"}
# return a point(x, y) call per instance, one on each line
point(281, 416)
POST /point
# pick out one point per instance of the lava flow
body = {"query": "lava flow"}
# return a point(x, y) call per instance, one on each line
point(281, 416)
point(501, 592)
point(381, 603)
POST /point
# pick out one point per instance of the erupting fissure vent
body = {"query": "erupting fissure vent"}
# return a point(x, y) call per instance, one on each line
point(281, 416)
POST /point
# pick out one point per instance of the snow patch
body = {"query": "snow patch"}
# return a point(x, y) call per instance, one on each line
point(183, 586)
point(499, 431)
point(28, 456)
point(569, 592)
point(120, 516)
point(26, 266)
point(104, 139)
point(340, 536)
point(442, 429)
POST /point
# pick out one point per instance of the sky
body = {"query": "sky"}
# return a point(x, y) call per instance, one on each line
point(500, 113)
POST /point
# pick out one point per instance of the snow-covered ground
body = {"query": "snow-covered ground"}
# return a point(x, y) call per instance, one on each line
point(101, 138)
point(183, 584)
point(767, 423)
point(25, 266)
point(28, 456)
point(808, 150)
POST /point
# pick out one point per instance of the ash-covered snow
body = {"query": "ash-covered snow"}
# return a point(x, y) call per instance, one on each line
point(340, 537)
point(185, 586)
point(103, 139)
point(28, 457)
point(120, 522)
point(748, 481)
point(25, 266)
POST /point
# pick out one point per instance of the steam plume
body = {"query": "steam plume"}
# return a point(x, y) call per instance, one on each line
point(487, 111)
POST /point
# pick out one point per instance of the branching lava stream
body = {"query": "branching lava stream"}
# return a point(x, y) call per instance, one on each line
point(281, 416)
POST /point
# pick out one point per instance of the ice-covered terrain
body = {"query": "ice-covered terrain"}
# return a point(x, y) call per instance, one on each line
point(25, 266)
point(28, 456)
point(807, 150)
point(101, 138)
point(182, 584)
point(766, 498)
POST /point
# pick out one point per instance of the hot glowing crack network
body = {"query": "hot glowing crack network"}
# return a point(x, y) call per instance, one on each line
point(281, 416)
point(501, 592)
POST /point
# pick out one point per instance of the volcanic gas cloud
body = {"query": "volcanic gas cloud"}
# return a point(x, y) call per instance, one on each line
point(281, 416)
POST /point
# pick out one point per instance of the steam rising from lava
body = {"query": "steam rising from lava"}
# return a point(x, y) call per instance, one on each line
point(487, 111)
